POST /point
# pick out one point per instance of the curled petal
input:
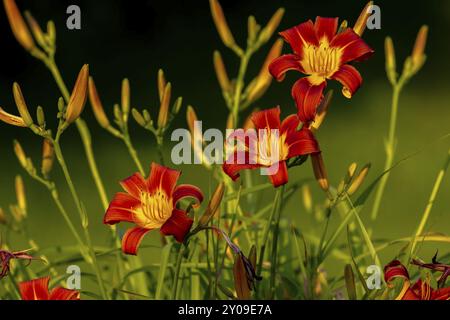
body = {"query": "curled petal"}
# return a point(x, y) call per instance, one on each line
point(178, 225)
point(300, 36)
point(280, 177)
point(186, 190)
point(326, 27)
point(232, 168)
point(395, 269)
point(35, 289)
point(162, 178)
point(353, 47)
point(283, 64)
point(302, 143)
point(132, 240)
point(134, 185)
point(267, 119)
point(307, 97)
point(120, 209)
point(350, 78)
point(289, 125)
point(60, 293)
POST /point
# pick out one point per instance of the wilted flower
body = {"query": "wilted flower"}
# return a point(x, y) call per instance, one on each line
point(6, 257)
point(38, 290)
point(421, 290)
point(322, 54)
point(152, 204)
point(261, 148)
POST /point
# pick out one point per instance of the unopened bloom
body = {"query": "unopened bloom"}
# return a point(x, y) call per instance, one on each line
point(421, 290)
point(322, 54)
point(152, 204)
point(38, 290)
point(274, 143)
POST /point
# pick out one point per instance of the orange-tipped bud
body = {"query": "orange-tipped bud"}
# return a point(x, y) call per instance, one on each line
point(213, 205)
point(391, 65)
point(21, 105)
point(48, 157)
point(221, 23)
point(359, 180)
point(361, 23)
point(20, 194)
point(18, 25)
point(320, 171)
point(272, 26)
point(11, 119)
point(35, 29)
point(161, 84)
point(20, 154)
point(264, 78)
point(221, 72)
point(322, 111)
point(97, 106)
point(126, 98)
point(191, 118)
point(163, 116)
point(418, 55)
point(79, 95)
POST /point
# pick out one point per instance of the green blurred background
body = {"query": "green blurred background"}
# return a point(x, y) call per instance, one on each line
point(135, 38)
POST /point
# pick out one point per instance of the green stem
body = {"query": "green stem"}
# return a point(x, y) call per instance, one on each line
point(177, 271)
point(273, 269)
point(240, 85)
point(133, 152)
point(390, 149)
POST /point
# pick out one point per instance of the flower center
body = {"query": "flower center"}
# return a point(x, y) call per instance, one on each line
point(155, 210)
point(271, 147)
point(321, 62)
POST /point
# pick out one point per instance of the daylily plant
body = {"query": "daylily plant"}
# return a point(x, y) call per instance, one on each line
point(321, 53)
point(152, 204)
point(38, 290)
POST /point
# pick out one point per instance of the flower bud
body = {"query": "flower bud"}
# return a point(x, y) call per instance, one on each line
point(40, 116)
point(161, 84)
point(18, 25)
point(125, 99)
point(48, 157)
point(361, 23)
point(221, 72)
point(20, 194)
point(271, 26)
point(35, 29)
point(320, 171)
point(11, 119)
point(79, 94)
point(221, 23)
point(358, 180)
point(97, 106)
point(138, 117)
point(307, 198)
point(21, 105)
point(418, 55)
point(213, 205)
point(391, 65)
point(20, 154)
point(163, 116)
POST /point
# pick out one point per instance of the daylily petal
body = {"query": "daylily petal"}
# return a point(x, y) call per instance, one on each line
point(267, 119)
point(162, 178)
point(132, 240)
point(186, 190)
point(326, 27)
point(60, 293)
point(120, 209)
point(281, 176)
point(395, 269)
point(300, 36)
point(289, 125)
point(232, 168)
point(134, 185)
point(307, 98)
point(353, 47)
point(350, 78)
point(283, 64)
point(35, 289)
point(441, 294)
point(302, 143)
point(178, 225)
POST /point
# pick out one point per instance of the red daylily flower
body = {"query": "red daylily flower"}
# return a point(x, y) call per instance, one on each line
point(421, 290)
point(320, 53)
point(152, 204)
point(273, 144)
point(38, 290)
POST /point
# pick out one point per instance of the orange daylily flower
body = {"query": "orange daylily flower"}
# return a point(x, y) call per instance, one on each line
point(321, 53)
point(38, 290)
point(152, 204)
point(421, 290)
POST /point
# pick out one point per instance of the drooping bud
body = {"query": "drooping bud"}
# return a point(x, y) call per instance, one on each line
point(11, 119)
point(97, 106)
point(48, 157)
point(21, 105)
point(264, 78)
point(79, 95)
point(391, 65)
point(320, 171)
point(271, 26)
point(221, 72)
point(213, 205)
point(361, 23)
point(359, 180)
point(163, 116)
point(221, 23)
point(18, 25)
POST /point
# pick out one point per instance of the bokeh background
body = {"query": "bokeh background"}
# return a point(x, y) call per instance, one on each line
point(135, 38)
